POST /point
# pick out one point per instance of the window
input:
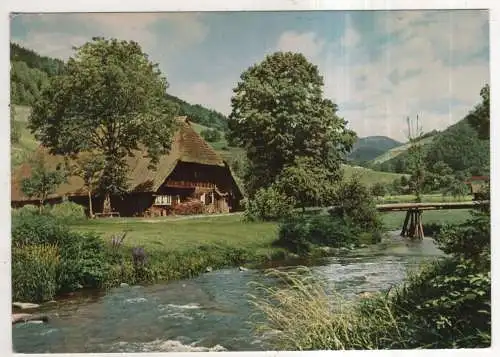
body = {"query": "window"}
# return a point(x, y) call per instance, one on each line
point(163, 200)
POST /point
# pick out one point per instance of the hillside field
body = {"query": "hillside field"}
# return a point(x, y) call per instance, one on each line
point(392, 153)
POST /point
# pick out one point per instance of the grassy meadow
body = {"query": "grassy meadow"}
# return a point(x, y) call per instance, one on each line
point(170, 234)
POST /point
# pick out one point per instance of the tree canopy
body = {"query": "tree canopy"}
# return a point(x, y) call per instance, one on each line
point(479, 118)
point(110, 101)
point(279, 113)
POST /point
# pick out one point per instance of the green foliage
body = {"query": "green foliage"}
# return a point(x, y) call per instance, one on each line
point(461, 149)
point(68, 211)
point(355, 205)
point(456, 189)
point(211, 135)
point(306, 181)
point(42, 181)
point(279, 113)
point(26, 210)
point(80, 258)
point(378, 190)
point(34, 272)
point(479, 118)
point(300, 234)
point(110, 100)
point(416, 165)
point(15, 127)
point(199, 114)
point(269, 204)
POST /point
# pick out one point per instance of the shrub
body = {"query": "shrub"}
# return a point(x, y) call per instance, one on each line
point(300, 234)
point(34, 272)
point(356, 206)
point(68, 211)
point(268, 204)
point(83, 262)
point(81, 256)
point(38, 229)
point(25, 210)
point(378, 190)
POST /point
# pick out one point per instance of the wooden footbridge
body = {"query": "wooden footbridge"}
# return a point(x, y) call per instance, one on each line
point(412, 226)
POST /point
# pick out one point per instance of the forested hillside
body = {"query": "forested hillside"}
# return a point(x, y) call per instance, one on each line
point(459, 147)
point(30, 72)
point(366, 149)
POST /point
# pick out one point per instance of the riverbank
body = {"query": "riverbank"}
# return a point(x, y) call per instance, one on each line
point(208, 310)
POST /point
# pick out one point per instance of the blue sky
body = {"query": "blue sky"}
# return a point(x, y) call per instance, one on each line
point(378, 66)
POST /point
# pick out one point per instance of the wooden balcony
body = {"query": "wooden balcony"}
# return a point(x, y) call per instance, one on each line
point(188, 184)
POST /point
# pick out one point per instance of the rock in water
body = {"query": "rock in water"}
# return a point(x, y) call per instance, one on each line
point(16, 318)
point(208, 269)
point(243, 269)
point(123, 285)
point(25, 305)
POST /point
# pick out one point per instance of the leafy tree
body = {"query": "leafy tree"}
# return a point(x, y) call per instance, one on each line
point(279, 113)
point(416, 164)
point(89, 167)
point(211, 135)
point(43, 181)
point(15, 130)
point(457, 189)
point(378, 190)
point(479, 118)
point(110, 100)
point(306, 181)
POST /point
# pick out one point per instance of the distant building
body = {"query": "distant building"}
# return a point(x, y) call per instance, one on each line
point(191, 172)
point(477, 185)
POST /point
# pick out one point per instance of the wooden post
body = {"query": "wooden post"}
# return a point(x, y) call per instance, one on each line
point(404, 231)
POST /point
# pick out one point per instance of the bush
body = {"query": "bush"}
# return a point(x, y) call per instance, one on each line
point(378, 190)
point(300, 234)
point(26, 210)
point(34, 272)
point(356, 206)
point(268, 204)
point(68, 211)
point(81, 256)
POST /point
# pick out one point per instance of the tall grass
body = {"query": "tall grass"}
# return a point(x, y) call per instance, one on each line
point(34, 272)
point(307, 318)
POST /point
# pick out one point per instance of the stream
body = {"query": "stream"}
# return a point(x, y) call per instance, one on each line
point(202, 313)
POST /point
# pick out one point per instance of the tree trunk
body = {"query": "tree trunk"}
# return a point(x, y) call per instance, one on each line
point(91, 213)
point(107, 204)
point(40, 206)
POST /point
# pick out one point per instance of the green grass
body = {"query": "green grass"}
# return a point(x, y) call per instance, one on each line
point(169, 235)
point(164, 234)
point(394, 220)
point(369, 177)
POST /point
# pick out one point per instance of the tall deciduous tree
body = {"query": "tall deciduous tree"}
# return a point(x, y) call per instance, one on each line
point(15, 130)
point(279, 113)
point(110, 100)
point(43, 180)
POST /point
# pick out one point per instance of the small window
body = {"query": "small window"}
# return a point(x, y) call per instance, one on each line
point(163, 200)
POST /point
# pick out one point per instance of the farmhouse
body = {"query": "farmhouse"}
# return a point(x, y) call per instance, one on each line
point(191, 174)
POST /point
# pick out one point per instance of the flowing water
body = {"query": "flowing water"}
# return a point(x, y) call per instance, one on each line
point(209, 311)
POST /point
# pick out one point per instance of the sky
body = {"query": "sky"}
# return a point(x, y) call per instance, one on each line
point(378, 66)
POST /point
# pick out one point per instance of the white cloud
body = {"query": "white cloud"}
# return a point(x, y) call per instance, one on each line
point(307, 43)
point(351, 36)
point(47, 38)
point(215, 95)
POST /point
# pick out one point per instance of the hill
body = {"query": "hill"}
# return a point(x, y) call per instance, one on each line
point(458, 146)
point(368, 148)
point(30, 72)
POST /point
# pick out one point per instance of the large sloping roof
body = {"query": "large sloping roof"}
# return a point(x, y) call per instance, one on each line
point(187, 146)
